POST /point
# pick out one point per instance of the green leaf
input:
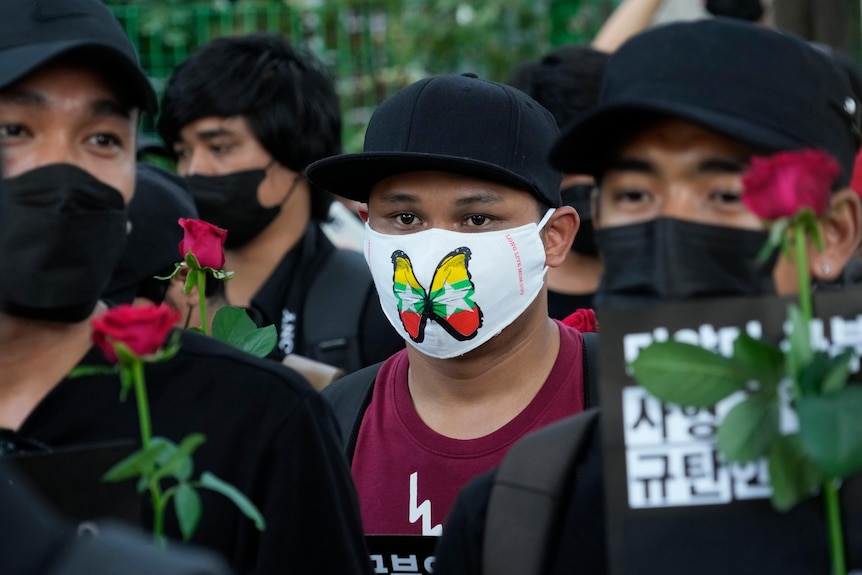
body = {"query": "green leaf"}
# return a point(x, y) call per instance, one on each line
point(127, 381)
point(800, 353)
point(221, 274)
point(764, 361)
point(686, 374)
point(85, 370)
point(168, 351)
point(749, 429)
point(808, 220)
point(192, 262)
point(172, 274)
point(244, 504)
point(179, 462)
point(830, 427)
point(141, 462)
point(793, 475)
point(260, 342)
point(810, 376)
point(191, 280)
point(776, 236)
point(125, 356)
point(187, 505)
point(839, 372)
point(232, 325)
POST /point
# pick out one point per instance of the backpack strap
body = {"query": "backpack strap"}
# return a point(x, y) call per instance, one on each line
point(590, 354)
point(331, 316)
point(524, 505)
point(349, 397)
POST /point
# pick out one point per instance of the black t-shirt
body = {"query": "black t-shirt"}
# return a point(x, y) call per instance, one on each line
point(281, 302)
point(268, 433)
point(562, 305)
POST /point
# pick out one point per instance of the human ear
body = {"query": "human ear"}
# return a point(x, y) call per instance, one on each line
point(362, 212)
point(559, 233)
point(842, 231)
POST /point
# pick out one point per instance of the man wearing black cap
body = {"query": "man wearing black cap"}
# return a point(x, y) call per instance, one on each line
point(683, 109)
point(70, 94)
point(463, 219)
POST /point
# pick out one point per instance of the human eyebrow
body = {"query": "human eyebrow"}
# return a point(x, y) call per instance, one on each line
point(722, 166)
point(23, 98)
point(213, 133)
point(399, 198)
point(110, 108)
point(630, 165)
point(479, 198)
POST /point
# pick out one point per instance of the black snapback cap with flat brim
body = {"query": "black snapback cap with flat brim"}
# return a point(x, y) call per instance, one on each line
point(455, 124)
point(770, 90)
point(35, 32)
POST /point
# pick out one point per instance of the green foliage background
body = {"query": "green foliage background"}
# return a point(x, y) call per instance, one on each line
point(373, 47)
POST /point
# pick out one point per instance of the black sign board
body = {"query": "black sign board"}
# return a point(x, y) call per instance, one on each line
point(402, 554)
point(673, 505)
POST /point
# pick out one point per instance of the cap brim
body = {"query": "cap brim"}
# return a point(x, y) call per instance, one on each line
point(583, 145)
point(353, 175)
point(17, 63)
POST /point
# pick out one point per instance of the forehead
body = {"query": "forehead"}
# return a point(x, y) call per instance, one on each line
point(62, 81)
point(442, 187)
point(680, 140)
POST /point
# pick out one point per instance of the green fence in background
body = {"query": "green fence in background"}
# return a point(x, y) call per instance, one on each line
point(372, 47)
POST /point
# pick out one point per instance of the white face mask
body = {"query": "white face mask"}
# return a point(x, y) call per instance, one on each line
point(448, 292)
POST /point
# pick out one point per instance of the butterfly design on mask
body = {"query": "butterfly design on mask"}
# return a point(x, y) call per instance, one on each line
point(449, 301)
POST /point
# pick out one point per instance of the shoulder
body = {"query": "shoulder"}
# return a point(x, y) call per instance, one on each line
point(219, 363)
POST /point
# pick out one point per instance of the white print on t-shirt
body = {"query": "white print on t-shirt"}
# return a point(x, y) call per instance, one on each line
point(288, 328)
point(671, 456)
point(422, 510)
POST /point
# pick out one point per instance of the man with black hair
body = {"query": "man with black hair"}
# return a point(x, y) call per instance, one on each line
point(567, 81)
point(70, 95)
point(245, 115)
point(677, 123)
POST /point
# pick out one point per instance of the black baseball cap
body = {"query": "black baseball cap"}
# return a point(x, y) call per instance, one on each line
point(34, 32)
point(458, 124)
point(768, 89)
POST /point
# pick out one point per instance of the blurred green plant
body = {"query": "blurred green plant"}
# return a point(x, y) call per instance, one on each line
point(373, 47)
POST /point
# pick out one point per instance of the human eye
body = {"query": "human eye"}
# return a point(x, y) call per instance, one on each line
point(478, 220)
point(106, 140)
point(405, 219)
point(726, 197)
point(9, 131)
point(221, 148)
point(631, 196)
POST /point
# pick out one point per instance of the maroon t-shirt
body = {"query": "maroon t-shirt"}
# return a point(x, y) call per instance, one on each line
point(408, 475)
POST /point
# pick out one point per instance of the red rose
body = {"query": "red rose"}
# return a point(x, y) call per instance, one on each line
point(205, 241)
point(781, 185)
point(143, 329)
point(583, 320)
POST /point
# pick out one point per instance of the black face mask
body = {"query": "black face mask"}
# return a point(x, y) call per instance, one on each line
point(671, 260)
point(578, 196)
point(61, 234)
point(230, 202)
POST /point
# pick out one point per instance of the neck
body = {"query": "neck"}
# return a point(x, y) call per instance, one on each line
point(255, 261)
point(34, 357)
point(578, 274)
point(475, 394)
